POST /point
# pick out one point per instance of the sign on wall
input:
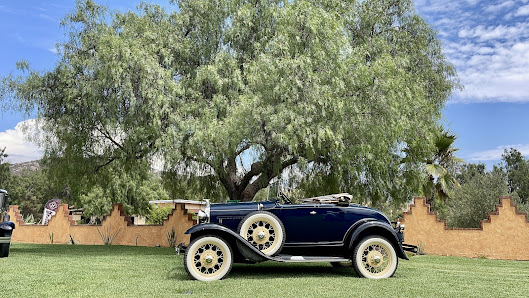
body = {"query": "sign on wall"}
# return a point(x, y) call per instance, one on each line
point(50, 209)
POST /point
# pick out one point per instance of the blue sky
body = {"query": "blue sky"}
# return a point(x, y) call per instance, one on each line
point(487, 41)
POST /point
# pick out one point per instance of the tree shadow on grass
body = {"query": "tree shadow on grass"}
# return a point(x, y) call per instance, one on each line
point(287, 270)
point(269, 270)
point(52, 250)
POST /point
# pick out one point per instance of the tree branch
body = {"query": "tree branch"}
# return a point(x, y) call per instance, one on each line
point(107, 135)
point(243, 148)
point(110, 160)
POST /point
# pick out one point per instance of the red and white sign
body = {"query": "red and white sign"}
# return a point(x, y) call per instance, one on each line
point(50, 209)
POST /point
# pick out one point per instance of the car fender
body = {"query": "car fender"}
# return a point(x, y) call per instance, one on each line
point(387, 231)
point(246, 249)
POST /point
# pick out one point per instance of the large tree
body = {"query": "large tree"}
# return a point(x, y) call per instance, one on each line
point(238, 91)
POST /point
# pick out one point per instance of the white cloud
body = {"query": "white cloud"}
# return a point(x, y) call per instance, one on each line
point(496, 73)
point(488, 43)
point(522, 11)
point(18, 147)
point(487, 33)
point(499, 7)
point(495, 154)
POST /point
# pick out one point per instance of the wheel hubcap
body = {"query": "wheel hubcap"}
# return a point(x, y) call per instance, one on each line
point(375, 259)
point(208, 259)
point(261, 234)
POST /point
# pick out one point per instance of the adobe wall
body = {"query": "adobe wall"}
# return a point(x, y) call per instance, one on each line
point(505, 235)
point(61, 226)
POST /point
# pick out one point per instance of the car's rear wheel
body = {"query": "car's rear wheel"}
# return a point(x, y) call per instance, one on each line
point(264, 231)
point(208, 258)
point(375, 257)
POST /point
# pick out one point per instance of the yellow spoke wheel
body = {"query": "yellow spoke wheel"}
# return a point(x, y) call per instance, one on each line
point(264, 231)
point(375, 257)
point(208, 258)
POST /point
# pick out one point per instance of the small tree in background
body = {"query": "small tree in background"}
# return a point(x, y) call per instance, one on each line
point(441, 169)
point(4, 169)
point(158, 214)
point(121, 187)
point(478, 196)
point(517, 170)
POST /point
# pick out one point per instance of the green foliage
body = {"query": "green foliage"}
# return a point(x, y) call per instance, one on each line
point(235, 92)
point(121, 187)
point(29, 219)
point(196, 188)
point(517, 169)
point(468, 171)
point(476, 198)
point(158, 214)
point(4, 169)
point(441, 170)
point(31, 190)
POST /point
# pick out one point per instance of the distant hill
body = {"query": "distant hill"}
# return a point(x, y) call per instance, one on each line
point(18, 169)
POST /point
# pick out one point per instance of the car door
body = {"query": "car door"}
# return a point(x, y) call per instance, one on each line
point(313, 223)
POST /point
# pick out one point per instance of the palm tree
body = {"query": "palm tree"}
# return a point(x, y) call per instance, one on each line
point(440, 169)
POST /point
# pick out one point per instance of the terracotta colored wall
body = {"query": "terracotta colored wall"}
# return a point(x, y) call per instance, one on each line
point(62, 226)
point(505, 235)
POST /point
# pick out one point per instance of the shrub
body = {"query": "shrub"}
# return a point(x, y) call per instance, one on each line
point(158, 214)
point(476, 198)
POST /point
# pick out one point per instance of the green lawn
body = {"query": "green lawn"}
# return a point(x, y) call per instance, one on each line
point(78, 270)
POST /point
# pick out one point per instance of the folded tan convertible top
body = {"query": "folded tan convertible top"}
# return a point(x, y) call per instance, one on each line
point(329, 199)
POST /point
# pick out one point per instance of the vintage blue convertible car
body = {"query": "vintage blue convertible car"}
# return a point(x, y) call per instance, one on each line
point(321, 229)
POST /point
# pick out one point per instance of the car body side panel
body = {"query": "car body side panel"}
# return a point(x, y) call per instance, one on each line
point(314, 224)
point(322, 223)
point(231, 214)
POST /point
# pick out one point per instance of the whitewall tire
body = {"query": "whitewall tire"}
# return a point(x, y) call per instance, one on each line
point(208, 258)
point(375, 257)
point(264, 231)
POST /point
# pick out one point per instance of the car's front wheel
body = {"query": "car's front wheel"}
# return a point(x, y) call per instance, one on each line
point(208, 258)
point(375, 257)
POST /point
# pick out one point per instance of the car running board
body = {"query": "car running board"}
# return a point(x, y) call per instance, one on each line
point(305, 259)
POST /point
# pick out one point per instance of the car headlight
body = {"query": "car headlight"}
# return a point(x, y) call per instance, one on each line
point(203, 215)
point(399, 226)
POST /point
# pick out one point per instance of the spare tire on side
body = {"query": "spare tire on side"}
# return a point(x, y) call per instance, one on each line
point(263, 230)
